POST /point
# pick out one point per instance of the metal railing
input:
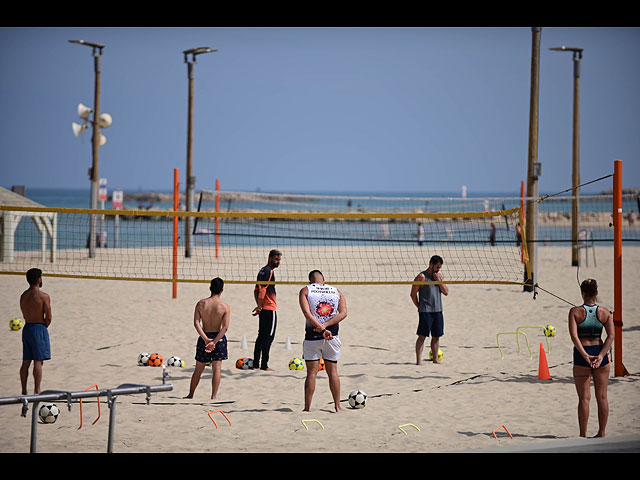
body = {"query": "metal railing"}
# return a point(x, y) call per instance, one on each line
point(72, 397)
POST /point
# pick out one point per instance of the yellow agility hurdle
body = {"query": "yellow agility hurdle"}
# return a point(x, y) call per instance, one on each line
point(516, 334)
point(407, 425)
point(304, 422)
point(533, 326)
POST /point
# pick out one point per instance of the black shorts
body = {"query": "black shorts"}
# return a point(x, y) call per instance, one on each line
point(430, 324)
point(591, 350)
point(218, 353)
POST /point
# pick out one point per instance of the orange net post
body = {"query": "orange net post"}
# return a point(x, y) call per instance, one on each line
point(217, 218)
point(619, 368)
point(176, 199)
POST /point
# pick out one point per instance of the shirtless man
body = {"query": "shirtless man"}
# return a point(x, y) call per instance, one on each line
point(36, 310)
point(211, 321)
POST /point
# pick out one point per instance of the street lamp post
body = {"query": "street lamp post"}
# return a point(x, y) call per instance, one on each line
point(575, 176)
point(95, 140)
point(191, 180)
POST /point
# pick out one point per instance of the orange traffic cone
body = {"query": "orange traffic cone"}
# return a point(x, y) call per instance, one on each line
point(543, 368)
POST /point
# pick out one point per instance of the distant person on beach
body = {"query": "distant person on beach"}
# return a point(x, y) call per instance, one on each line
point(36, 348)
point(323, 307)
point(211, 320)
point(265, 297)
point(591, 354)
point(492, 235)
point(518, 234)
point(428, 301)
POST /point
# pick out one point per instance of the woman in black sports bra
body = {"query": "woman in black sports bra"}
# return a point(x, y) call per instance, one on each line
point(590, 354)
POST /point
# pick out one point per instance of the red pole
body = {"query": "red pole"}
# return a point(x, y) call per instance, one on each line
point(176, 199)
point(217, 218)
point(522, 207)
point(619, 368)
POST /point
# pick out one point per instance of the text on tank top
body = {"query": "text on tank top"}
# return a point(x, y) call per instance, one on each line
point(323, 303)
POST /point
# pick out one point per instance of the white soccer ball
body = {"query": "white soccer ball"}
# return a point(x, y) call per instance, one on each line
point(357, 399)
point(143, 359)
point(174, 361)
point(49, 413)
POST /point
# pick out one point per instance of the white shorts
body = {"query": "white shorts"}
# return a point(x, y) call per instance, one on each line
point(316, 349)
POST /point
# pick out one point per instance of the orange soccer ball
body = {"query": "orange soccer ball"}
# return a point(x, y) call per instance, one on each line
point(155, 360)
point(322, 367)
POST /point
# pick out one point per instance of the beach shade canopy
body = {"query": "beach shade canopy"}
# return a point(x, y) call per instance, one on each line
point(46, 223)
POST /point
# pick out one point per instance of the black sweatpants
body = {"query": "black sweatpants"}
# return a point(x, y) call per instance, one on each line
point(267, 321)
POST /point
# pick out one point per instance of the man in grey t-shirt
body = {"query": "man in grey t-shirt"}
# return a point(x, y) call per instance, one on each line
point(428, 301)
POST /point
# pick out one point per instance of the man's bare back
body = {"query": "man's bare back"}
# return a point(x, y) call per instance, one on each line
point(212, 312)
point(36, 306)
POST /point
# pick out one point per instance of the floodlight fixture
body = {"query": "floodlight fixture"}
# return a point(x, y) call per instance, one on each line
point(196, 51)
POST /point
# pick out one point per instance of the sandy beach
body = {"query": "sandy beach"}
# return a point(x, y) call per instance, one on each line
point(100, 326)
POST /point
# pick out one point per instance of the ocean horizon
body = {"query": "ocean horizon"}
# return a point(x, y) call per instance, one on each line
point(80, 197)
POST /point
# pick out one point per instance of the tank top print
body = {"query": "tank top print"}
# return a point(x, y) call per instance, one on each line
point(323, 304)
point(590, 327)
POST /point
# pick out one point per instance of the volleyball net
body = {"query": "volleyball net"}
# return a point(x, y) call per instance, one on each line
point(349, 247)
point(352, 240)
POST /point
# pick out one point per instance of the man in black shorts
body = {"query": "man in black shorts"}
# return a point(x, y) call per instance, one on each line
point(211, 321)
point(428, 301)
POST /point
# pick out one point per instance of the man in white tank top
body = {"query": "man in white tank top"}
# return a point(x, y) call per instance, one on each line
point(323, 307)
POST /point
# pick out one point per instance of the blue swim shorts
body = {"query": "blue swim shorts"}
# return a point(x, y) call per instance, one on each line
point(218, 353)
point(430, 324)
point(35, 342)
point(591, 350)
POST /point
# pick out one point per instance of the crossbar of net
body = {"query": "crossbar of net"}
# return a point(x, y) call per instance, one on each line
point(350, 248)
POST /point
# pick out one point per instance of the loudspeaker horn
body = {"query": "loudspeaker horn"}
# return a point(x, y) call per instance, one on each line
point(77, 128)
point(105, 120)
point(84, 111)
point(102, 140)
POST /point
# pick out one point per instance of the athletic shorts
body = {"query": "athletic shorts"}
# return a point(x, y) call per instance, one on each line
point(329, 350)
point(430, 324)
point(35, 342)
point(593, 350)
point(218, 353)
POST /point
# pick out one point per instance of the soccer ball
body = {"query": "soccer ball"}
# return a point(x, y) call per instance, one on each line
point(244, 363)
point(49, 413)
point(296, 364)
point(322, 366)
point(16, 323)
point(174, 361)
point(155, 360)
point(143, 359)
point(440, 355)
point(550, 331)
point(357, 399)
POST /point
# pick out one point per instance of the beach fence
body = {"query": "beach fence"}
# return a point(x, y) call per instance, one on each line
point(71, 397)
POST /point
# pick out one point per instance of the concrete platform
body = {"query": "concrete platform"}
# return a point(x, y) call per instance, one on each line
point(622, 444)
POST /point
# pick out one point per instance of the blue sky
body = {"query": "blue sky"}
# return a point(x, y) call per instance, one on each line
point(315, 109)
